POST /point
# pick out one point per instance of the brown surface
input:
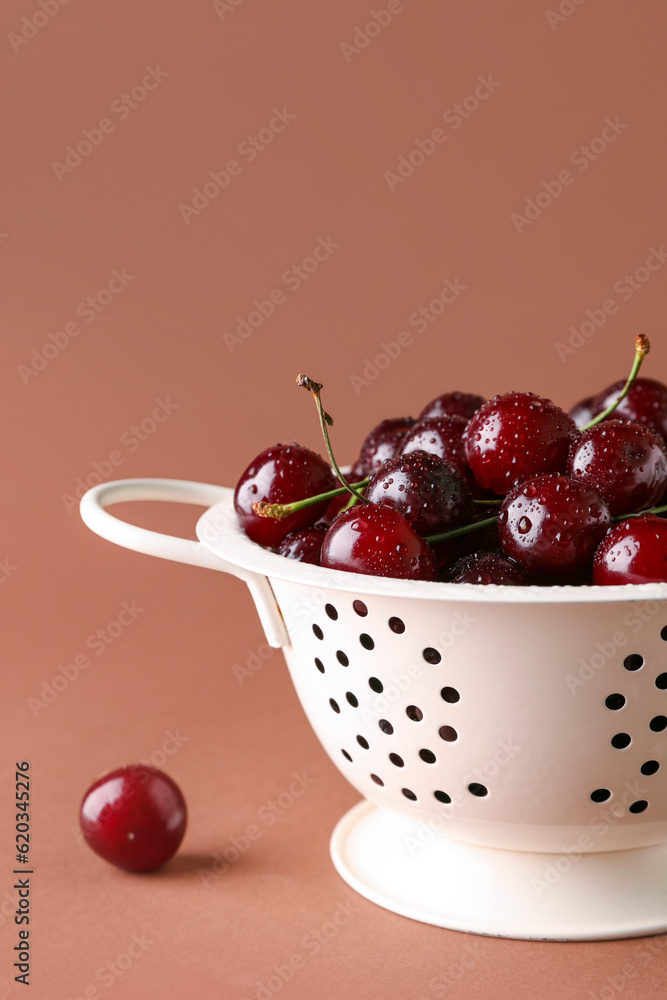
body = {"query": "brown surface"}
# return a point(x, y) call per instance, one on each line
point(173, 669)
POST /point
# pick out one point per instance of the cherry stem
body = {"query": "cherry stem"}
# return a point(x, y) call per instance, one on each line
point(489, 503)
point(642, 347)
point(315, 388)
point(465, 530)
point(640, 513)
point(280, 510)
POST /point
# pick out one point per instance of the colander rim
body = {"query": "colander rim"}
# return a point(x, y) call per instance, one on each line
point(219, 531)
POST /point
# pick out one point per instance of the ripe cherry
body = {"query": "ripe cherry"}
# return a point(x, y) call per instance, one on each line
point(515, 437)
point(282, 474)
point(383, 442)
point(304, 545)
point(551, 526)
point(634, 551)
point(582, 412)
point(625, 462)
point(425, 489)
point(452, 404)
point(645, 403)
point(487, 567)
point(134, 817)
point(441, 436)
point(375, 539)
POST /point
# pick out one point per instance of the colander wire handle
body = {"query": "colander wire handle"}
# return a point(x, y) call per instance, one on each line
point(183, 550)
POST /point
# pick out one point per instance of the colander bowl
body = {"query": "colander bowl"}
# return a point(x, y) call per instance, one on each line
point(510, 744)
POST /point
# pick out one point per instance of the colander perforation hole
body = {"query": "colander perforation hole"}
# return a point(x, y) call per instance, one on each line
point(633, 662)
point(360, 608)
point(366, 641)
point(414, 713)
point(352, 698)
point(397, 625)
point(448, 734)
point(319, 664)
point(450, 695)
point(476, 788)
point(639, 806)
point(600, 795)
point(614, 702)
point(442, 797)
point(658, 723)
point(661, 682)
point(318, 632)
point(427, 756)
point(649, 767)
point(334, 705)
point(620, 741)
point(331, 611)
point(363, 742)
point(386, 726)
point(375, 684)
point(431, 655)
point(663, 633)
point(346, 755)
point(342, 658)
point(377, 779)
point(409, 794)
point(397, 760)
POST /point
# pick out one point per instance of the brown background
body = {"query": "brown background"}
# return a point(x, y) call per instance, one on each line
point(163, 337)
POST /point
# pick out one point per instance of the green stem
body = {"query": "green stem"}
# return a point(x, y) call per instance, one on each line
point(280, 510)
point(489, 503)
point(642, 347)
point(314, 388)
point(465, 530)
point(639, 513)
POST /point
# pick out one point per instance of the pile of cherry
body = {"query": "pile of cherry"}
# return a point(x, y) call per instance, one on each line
point(510, 491)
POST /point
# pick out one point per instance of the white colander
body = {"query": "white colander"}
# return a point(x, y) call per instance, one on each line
point(510, 743)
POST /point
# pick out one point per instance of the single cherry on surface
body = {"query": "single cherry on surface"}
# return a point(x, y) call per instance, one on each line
point(551, 526)
point(377, 540)
point(515, 437)
point(305, 544)
point(645, 403)
point(281, 475)
point(486, 568)
point(624, 461)
point(634, 551)
point(383, 442)
point(426, 489)
point(452, 404)
point(134, 817)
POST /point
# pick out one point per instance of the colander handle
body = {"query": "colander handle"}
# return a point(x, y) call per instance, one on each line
point(183, 550)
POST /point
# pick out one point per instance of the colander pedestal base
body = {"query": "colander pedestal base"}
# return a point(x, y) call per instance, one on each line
point(399, 863)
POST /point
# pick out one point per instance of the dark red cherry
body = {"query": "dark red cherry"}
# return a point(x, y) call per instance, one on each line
point(646, 403)
point(375, 539)
point(634, 551)
point(282, 474)
point(383, 442)
point(625, 462)
point(441, 436)
point(134, 817)
point(487, 567)
point(551, 526)
point(451, 550)
point(304, 545)
point(515, 437)
point(425, 489)
point(582, 412)
point(452, 404)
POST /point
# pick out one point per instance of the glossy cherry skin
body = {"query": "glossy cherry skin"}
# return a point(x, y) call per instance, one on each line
point(282, 474)
point(304, 545)
point(646, 403)
point(452, 404)
point(634, 551)
point(377, 540)
point(582, 412)
point(515, 437)
point(134, 818)
point(625, 462)
point(425, 489)
point(441, 436)
point(487, 567)
point(383, 442)
point(551, 526)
